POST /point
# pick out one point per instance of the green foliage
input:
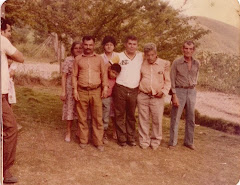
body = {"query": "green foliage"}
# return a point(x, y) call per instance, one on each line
point(150, 20)
point(219, 72)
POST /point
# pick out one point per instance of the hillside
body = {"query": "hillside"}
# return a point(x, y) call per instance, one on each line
point(223, 37)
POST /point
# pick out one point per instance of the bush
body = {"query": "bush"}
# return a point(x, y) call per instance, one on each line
point(219, 72)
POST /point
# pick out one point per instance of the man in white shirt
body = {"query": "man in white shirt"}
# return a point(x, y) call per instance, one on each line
point(126, 90)
point(8, 51)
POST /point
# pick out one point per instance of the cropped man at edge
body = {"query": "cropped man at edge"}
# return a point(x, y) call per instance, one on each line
point(8, 51)
point(90, 84)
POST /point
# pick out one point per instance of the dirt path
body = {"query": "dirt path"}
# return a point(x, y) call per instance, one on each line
point(212, 104)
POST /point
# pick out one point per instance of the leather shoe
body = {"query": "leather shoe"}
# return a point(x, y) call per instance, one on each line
point(132, 143)
point(9, 180)
point(82, 146)
point(100, 148)
point(171, 147)
point(192, 147)
point(122, 144)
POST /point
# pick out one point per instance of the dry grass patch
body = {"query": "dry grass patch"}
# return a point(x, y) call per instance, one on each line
point(44, 158)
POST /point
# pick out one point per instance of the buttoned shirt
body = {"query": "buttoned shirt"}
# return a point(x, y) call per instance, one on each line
point(155, 78)
point(7, 49)
point(181, 75)
point(130, 70)
point(90, 71)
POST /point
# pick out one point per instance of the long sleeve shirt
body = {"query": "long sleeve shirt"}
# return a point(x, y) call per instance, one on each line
point(181, 75)
point(155, 77)
point(90, 71)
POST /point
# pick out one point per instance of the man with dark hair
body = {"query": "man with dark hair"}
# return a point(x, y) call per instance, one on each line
point(8, 51)
point(89, 75)
point(126, 90)
point(184, 75)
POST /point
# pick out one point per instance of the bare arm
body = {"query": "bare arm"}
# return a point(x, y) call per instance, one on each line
point(17, 57)
point(74, 79)
point(64, 79)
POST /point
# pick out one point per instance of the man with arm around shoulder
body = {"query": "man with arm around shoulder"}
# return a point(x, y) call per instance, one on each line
point(154, 85)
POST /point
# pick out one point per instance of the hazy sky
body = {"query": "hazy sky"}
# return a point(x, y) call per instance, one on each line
point(227, 11)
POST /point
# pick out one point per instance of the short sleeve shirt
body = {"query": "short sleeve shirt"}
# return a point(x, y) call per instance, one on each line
point(6, 49)
point(130, 70)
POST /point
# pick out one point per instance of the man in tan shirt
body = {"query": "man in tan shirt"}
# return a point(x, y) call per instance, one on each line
point(154, 85)
point(89, 75)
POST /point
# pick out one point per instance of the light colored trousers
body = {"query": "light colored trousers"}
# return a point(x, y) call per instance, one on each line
point(91, 99)
point(150, 106)
point(187, 100)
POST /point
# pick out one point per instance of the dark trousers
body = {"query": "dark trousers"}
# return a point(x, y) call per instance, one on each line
point(125, 101)
point(9, 136)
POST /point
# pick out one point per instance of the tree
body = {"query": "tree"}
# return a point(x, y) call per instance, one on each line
point(150, 20)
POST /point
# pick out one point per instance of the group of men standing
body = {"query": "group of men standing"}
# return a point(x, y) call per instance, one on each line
point(144, 81)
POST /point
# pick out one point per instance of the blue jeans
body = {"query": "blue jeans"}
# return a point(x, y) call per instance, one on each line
point(106, 102)
point(187, 100)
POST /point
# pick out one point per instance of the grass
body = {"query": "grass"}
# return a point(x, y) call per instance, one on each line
point(214, 123)
point(42, 107)
point(44, 158)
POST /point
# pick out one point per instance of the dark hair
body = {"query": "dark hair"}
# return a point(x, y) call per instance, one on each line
point(130, 37)
point(189, 42)
point(73, 46)
point(109, 39)
point(88, 37)
point(4, 23)
point(116, 67)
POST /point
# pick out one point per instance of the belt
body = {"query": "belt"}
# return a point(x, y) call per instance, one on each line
point(149, 94)
point(126, 87)
point(89, 88)
point(186, 87)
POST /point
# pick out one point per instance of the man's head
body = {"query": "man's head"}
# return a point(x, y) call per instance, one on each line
point(76, 48)
point(5, 28)
point(150, 52)
point(188, 49)
point(131, 44)
point(88, 43)
point(114, 70)
point(108, 44)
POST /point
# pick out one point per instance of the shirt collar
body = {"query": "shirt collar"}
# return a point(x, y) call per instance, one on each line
point(183, 60)
point(94, 54)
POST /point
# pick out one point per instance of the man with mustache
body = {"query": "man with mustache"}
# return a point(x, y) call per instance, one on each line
point(90, 84)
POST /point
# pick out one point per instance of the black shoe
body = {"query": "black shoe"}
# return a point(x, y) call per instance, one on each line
point(131, 143)
point(122, 144)
point(10, 180)
point(192, 147)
